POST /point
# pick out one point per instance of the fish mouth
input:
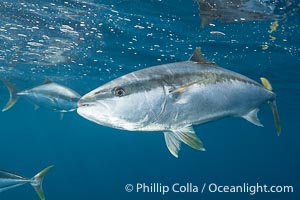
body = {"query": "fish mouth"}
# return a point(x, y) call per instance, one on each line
point(84, 103)
point(88, 101)
point(80, 105)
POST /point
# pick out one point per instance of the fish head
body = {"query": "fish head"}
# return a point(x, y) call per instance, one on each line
point(125, 103)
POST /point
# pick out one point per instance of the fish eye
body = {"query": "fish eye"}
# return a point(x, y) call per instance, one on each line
point(119, 92)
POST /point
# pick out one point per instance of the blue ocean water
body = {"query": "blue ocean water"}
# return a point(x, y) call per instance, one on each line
point(84, 44)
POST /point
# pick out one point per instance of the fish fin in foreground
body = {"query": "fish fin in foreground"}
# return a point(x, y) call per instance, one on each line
point(273, 106)
point(12, 95)
point(198, 57)
point(252, 117)
point(37, 182)
point(186, 135)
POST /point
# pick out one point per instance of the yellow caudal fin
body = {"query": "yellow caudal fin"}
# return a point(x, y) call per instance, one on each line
point(276, 116)
point(37, 182)
point(12, 95)
point(273, 106)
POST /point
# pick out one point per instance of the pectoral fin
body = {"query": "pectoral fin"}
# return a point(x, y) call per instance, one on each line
point(183, 88)
point(252, 117)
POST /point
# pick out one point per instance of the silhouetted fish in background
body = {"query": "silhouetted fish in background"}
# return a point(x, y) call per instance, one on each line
point(10, 180)
point(51, 95)
point(236, 10)
point(173, 97)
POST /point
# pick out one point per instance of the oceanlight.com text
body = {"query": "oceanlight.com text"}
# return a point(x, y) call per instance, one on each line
point(250, 189)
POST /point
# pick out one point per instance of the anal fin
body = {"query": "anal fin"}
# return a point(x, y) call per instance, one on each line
point(172, 143)
point(188, 136)
point(252, 117)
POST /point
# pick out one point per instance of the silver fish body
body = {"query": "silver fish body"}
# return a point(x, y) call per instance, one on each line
point(173, 97)
point(10, 180)
point(50, 95)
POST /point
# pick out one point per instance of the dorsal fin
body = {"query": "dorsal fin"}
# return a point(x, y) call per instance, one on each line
point(47, 80)
point(198, 57)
